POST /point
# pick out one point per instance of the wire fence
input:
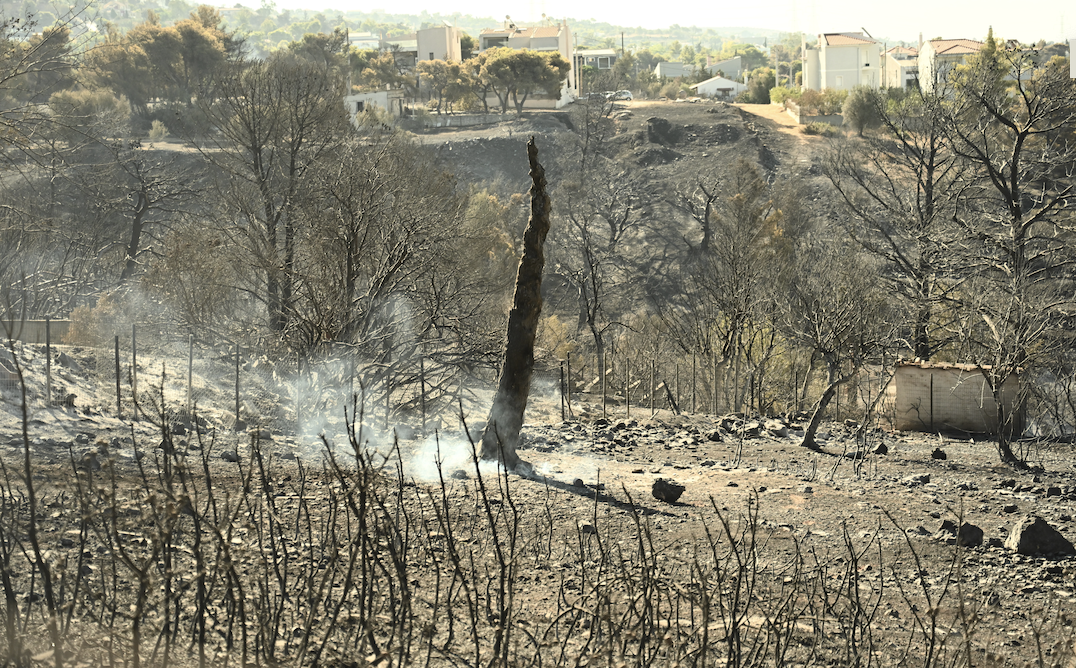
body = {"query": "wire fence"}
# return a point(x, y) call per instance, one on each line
point(159, 372)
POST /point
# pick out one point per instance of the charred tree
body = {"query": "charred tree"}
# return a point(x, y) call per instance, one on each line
point(501, 437)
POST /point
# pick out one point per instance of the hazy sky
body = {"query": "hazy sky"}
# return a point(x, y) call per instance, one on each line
point(1052, 20)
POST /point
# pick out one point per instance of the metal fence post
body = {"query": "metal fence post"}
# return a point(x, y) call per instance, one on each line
point(652, 365)
point(237, 383)
point(48, 362)
point(119, 410)
point(568, 382)
point(190, 374)
point(134, 370)
point(562, 391)
point(422, 389)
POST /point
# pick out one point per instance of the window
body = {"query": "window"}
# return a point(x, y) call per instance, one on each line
point(603, 63)
point(431, 55)
point(840, 81)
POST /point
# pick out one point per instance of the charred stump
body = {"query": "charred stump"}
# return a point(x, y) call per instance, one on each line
point(501, 437)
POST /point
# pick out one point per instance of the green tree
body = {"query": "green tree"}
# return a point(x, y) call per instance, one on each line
point(759, 84)
point(468, 45)
point(862, 109)
point(515, 75)
point(443, 79)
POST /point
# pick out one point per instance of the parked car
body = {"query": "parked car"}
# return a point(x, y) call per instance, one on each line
point(621, 95)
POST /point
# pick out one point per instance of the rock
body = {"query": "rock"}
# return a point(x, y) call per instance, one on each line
point(751, 430)
point(1034, 536)
point(882, 449)
point(404, 432)
point(229, 456)
point(63, 359)
point(1011, 508)
point(968, 535)
point(938, 453)
point(916, 480)
point(588, 529)
point(667, 490)
point(82, 439)
point(578, 482)
point(777, 428)
point(714, 436)
point(661, 131)
point(1053, 491)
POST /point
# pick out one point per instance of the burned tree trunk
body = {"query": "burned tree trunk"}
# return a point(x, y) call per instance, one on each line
point(505, 420)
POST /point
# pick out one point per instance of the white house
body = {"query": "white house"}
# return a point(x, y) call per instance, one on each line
point(1072, 58)
point(841, 61)
point(391, 101)
point(720, 88)
point(938, 56)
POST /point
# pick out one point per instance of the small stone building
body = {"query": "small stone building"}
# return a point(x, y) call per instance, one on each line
point(943, 397)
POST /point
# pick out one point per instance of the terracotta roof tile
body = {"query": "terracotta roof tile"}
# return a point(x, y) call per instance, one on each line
point(953, 47)
point(847, 39)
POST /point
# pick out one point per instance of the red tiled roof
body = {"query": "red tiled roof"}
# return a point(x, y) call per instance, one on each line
point(846, 39)
point(954, 47)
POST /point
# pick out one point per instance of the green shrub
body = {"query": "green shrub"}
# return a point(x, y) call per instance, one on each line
point(779, 94)
point(820, 128)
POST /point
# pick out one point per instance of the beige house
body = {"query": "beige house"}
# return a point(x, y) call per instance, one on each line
point(841, 61)
point(901, 68)
point(441, 43)
point(543, 38)
point(934, 396)
point(938, 56)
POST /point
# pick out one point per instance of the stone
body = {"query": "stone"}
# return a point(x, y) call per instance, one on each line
point(777, 428)
point(968, 535)
point(882, 449)
point(667, 490)
point(229, 456)
point(938, 453)
point(1034, 536)
point(916, 480)
point(714, 435)
point(404, 432)
point(67, 361)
